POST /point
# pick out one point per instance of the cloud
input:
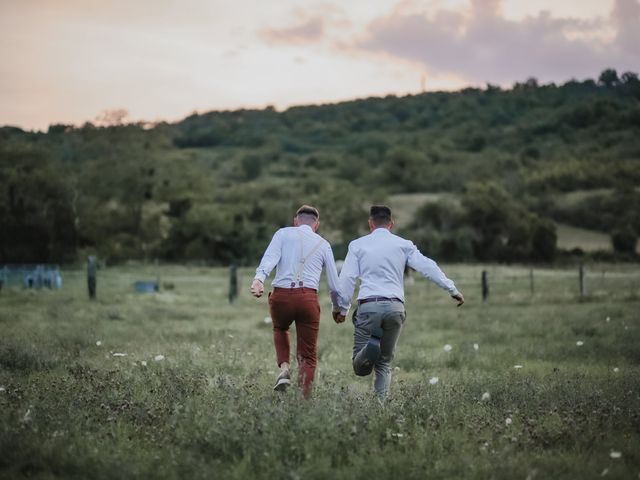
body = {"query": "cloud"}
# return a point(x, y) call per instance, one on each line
point(483, 46)
point(308, 31)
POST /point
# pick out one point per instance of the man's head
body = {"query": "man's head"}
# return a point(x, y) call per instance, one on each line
point(307, 215)
point(380, 216)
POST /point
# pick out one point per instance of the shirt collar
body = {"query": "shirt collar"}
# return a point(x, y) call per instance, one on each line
point(305, 226)
point(381, 229)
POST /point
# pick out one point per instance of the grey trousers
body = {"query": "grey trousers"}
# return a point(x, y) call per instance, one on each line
point(389, 316)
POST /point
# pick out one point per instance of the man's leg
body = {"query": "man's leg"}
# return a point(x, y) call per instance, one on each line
point(282, 314)
point(392, 322)
point(366, 339)
point(307, 327)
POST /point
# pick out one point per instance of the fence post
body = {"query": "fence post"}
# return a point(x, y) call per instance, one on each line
point(233, 282)
point(485, 286)
point(92, 267)
point(531, 280)
point(583, 289)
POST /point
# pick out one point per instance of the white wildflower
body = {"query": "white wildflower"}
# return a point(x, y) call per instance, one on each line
point(158, 358)
point(486, 396)
point(433, 380)
point(579, 343)
point(3, 389)
point(98, 343)
point(508, 421)
point(604, 472)
point(27, 416)
point(230, 336)
point(267, 320)
point(608, 319)
point(517, 367)
point(397, 369)
point(615, 454)
point(118, 354)
point(143, 363)
point(447, 348)
point(616, 369)
point(476, 346)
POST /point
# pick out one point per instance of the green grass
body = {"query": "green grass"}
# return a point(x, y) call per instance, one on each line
point(71, 409)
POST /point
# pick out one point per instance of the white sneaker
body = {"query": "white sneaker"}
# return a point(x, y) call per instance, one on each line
point(283, 381)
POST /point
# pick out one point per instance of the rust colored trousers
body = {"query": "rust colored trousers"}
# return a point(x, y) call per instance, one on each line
point(299, 306)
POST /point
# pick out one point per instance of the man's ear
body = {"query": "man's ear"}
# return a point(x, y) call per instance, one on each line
point(295, 222)
point(372, 227)
point(316, 225)
point(391, 225)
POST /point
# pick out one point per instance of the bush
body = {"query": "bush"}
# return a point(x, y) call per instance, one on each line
point(624, 239)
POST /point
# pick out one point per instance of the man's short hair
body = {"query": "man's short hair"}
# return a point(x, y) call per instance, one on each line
point(380, 214)
point(308, 210)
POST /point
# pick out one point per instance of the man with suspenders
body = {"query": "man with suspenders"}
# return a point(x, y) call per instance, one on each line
point(299, 254)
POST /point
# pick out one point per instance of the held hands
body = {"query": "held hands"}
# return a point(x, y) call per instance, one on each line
point(257, 288)
point(458, 298)
point(338, 317)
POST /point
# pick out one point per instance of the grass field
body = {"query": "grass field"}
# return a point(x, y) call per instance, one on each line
point(178, 384)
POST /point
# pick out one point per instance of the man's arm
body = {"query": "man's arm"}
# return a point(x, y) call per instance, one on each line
point(348, 276)
point(269, 260)
point(430, 269)
point(340, 305)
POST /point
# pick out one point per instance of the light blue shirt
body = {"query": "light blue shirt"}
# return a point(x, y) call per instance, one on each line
point(288, 246)
point(378, 260)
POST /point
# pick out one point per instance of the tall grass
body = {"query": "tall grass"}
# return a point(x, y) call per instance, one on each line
point(70, 408)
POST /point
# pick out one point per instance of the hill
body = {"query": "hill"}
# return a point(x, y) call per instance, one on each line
point(215, 185)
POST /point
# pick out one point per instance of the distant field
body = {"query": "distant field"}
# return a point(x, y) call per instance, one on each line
point(178, 384)
point(588, 240)
point(406, 205)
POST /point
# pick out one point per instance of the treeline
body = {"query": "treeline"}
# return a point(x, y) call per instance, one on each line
point(214, 186)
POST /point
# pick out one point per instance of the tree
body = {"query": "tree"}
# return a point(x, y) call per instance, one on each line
point(608, 78)
point(35, 208)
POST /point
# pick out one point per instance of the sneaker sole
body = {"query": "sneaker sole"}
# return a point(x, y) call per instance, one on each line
point(282, 385)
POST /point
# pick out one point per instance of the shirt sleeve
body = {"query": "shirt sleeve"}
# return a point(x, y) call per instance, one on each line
point(429, 269)
point(270, 258)
point(333, 281)
point(348, 275)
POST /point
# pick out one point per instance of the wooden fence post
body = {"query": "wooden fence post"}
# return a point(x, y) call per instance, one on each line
point(531, 280)
point(92, 267)
point(583, 288)
point(233, 282)
point(485, 286)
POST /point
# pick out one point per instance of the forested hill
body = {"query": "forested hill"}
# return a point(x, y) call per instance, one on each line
point(214, 186)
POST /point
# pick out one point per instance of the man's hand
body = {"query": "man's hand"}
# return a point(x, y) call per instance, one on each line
point(458, 298)
point(257, 288)
point(338, 317)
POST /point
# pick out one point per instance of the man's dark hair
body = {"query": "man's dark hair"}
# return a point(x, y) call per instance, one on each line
point(380, 215)
point(308, 210)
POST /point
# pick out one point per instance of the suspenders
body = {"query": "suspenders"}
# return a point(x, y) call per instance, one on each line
point(303, 259)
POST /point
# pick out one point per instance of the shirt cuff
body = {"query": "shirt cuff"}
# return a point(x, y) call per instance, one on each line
point(260, 276)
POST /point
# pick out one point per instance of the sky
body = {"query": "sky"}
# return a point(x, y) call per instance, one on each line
point(67, 61)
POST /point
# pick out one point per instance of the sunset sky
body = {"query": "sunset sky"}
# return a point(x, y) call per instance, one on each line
point(65, 61)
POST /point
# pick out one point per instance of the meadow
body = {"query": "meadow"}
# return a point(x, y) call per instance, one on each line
point(537, 383)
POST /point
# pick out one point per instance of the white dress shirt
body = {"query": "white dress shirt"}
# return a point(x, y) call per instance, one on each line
point(378, 260)
point(288, 246)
